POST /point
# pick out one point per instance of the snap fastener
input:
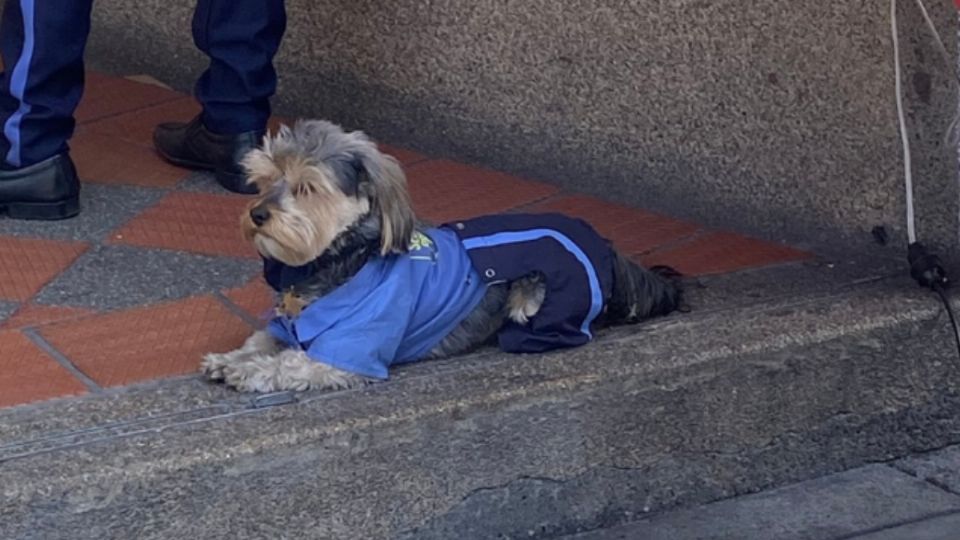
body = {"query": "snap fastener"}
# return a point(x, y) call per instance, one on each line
point(460, 226)
point(489, 273)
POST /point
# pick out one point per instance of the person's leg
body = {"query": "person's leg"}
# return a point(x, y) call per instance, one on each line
point(241, 37)
point(42, 44)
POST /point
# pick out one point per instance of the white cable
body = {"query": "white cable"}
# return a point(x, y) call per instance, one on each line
point(936, 35)
point(950, 139)
point(904, 138)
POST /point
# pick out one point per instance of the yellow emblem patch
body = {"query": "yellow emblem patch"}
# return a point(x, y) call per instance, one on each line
point(420, 241)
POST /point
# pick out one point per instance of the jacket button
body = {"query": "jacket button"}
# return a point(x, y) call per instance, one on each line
point(490, 273)
point(460, 226)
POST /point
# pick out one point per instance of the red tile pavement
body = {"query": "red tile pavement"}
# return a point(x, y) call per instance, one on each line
point(273, 125)
point(195, 222)
point(37, 315)
point(255, 298)
point(26, 264)
point(446, 190)
point(632, 231)
point(137, 126)
point(30, 375)
point(105, 159)
point(722, 252)
point(145, 343)
point(406, 157)
point(106, 96)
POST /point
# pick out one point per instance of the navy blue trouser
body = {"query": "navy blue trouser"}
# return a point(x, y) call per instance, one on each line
point(42, 44)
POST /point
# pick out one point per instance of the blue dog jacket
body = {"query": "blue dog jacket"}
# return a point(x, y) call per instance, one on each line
point(398, 308)
point(576, 261)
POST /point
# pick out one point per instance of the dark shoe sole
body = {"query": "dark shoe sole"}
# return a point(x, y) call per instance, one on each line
point(234, 182)
point(42, 211)
point(179, 162)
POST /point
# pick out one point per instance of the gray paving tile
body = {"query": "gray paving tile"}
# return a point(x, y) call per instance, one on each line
point(939, 528)
point(941, 467)
point(112, 277)
point(7, 309)
point(103, 209)
point(838, 505)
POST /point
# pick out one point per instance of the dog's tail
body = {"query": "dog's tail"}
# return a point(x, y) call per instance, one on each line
point(640, 293)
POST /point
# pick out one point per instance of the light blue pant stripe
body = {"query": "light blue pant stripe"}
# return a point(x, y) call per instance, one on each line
point(499, 239)
point(18, 84)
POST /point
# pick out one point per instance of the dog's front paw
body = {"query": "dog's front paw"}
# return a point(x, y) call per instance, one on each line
point(212, 366)
point(256, 375)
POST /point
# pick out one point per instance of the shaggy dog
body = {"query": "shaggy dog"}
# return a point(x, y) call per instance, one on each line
point(362, 285)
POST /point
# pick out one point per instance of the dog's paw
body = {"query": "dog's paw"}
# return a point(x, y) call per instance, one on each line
point(525, 299)
point(287, 370)
point(521, 311)
point(212, 366)
point(259, 374)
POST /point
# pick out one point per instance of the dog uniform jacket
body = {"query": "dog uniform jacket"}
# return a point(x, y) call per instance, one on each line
point(396, 309)
point(576, 262)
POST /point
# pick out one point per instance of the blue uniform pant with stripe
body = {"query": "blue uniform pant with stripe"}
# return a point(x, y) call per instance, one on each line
point(42, 44)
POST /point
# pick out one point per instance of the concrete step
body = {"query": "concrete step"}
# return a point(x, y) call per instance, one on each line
point(776, 377)
point(869, 503)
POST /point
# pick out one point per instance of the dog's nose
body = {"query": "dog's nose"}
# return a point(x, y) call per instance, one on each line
point(259, 214)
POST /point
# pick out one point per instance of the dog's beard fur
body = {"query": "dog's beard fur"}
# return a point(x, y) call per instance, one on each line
point(331, 199)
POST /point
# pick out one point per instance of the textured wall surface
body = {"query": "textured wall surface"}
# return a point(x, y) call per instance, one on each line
point(774, 117)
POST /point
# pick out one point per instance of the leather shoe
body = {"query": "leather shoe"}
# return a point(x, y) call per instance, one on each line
point(48, 190)
point(193, 146)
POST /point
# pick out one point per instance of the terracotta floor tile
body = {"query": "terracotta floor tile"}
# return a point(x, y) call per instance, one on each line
point(26, 265)
point(149, 79)
point(195, 222)
point(37, 315)
point(722, 252)
point(445, 190)
point(631, 230)
point(273, 125)
point(146, 343)
point(105, 159)
point(256, 297)
point(30, 375)
point(137, 126)
point(105, 96)
point(406, 157)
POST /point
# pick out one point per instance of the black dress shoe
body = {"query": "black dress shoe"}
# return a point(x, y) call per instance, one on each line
point(48, 190)
point(191, 145)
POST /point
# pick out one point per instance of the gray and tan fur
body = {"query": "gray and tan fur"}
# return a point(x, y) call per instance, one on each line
point(331, 197)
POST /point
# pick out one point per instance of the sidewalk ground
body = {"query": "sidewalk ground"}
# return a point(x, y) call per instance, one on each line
point(917, 498)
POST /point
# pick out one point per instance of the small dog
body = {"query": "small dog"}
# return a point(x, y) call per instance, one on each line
point(363, 285)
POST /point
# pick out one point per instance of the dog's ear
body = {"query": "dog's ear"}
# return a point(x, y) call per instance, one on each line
point(258, 164)
point(382, 178)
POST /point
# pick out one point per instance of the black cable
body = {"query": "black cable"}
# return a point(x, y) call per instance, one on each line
point(953, 318)
point(927, 270)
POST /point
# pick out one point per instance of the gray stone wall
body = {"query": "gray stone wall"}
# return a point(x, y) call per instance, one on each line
point(777, 118)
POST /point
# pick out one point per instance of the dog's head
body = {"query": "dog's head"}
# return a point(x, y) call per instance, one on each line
point(315, 181)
